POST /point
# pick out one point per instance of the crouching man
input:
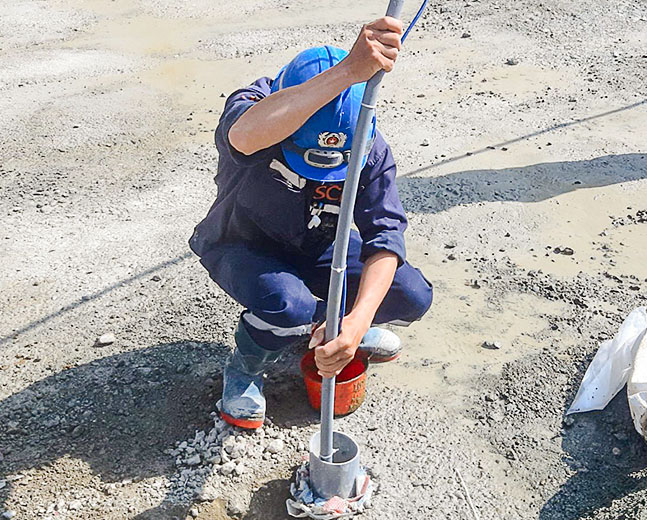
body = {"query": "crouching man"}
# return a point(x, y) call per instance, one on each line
point(284, 147)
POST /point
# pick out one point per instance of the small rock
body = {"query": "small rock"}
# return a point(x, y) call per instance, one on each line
point(425, 142)
point(156, 278)
point(9, 514)
point(491, 345)
point(616, 451)
point(238, 450)
point(106, 339)
point(75, 505)
point(466, 35)
point(228, 468)
point(512, 61)
point(194, 512)
point(240, 469)
point(193, 461)
point(224, 456)
point(208, 494)
point(275, 446)
point(234, 509)
point(215, 459)
point(228, 443)
point(569, 421)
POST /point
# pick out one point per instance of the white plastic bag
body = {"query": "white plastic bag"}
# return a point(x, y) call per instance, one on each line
point(637, 389)
point(611, 366)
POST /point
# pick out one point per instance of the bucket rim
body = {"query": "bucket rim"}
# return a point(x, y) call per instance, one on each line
point(359, 355)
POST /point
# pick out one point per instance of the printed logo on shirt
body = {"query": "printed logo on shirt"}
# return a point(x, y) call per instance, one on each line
point(328, 193)
point(324, 207)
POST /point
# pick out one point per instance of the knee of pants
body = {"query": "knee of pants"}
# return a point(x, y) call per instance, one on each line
point(284, 302)
point(409, 298)
point(282, 313)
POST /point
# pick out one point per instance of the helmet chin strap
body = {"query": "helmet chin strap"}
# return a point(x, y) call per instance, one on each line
point(324, 158)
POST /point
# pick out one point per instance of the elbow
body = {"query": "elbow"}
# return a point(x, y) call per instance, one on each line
point(240, 141)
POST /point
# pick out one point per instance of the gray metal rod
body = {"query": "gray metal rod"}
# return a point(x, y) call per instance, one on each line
point(342, 237)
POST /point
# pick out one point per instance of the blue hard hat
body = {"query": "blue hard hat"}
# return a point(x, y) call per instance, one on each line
point(320, 149)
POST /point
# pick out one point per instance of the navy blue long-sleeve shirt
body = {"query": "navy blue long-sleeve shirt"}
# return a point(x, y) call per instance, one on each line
point(262, 202)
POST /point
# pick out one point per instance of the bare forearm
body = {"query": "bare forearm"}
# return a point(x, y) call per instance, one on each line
point(375, 282)
point(279, 115)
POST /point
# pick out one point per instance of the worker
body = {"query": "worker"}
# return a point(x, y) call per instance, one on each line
point(267, 241)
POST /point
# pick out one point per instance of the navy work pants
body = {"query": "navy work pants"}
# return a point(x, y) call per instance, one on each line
point(285, 294)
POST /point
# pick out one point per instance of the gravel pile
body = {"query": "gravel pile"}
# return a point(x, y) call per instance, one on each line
point(214, 460)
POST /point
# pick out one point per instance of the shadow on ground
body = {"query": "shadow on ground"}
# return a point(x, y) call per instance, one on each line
point(602, 477)
point(524, 184)
point(94, 296)
point(536, 133)
point(268, 502)
point(118, 414)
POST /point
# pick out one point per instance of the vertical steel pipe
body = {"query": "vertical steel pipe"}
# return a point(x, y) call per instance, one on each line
point(342, 237)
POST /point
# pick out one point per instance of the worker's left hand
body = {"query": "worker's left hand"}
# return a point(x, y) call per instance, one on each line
point(332, 357)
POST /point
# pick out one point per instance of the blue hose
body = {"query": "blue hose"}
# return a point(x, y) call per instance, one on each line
point(342, 310)
point(415, 19)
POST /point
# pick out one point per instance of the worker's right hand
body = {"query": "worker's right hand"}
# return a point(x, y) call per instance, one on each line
point(332, 357)
point(376, 49)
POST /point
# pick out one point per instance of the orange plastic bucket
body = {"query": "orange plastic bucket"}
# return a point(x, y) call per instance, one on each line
point(350, 384)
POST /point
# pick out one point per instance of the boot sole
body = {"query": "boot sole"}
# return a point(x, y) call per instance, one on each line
point(383, 359)
point(248, 424)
